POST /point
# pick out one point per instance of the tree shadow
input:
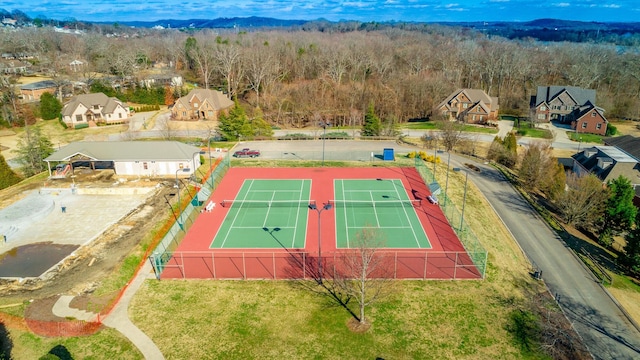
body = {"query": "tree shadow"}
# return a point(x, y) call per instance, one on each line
point(301, 267)
point(6, 344)
point(61, 352)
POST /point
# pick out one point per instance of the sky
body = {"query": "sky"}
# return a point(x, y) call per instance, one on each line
point(333, 10)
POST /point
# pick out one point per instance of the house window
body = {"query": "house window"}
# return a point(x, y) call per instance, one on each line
point(184, 114)
point(78, 118)
point(464, 106)
point(120, 115)
point(210, 113)
point(195, 105)
point(593, 114)
point(145, 166)
point(543, 108)
point(598, 126)
point(541, 116)
point(584, 125)
point(96, 107)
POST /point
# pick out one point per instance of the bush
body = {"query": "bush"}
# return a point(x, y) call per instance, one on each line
point(611, 130)
point(81, 126)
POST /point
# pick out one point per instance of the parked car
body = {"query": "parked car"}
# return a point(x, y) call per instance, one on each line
point(246, 152)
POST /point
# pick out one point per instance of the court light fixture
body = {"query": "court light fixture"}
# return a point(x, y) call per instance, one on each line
point(326, 206)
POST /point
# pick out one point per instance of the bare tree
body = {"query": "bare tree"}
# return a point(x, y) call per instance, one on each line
point(362, 273)
point(537, 163)
point(584, 202)
point(203, 55)
point(450, 134)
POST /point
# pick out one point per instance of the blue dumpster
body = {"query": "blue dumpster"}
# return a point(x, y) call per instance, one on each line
point(388, 155)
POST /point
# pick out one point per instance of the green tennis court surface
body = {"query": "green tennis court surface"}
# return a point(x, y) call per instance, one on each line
point(381, 204)
point(266, 214)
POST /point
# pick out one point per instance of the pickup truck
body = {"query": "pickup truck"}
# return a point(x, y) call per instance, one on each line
point(246, 152)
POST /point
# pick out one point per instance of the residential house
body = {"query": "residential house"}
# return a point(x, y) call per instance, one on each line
point(630, 145)
point(470, 106)
point(200, 104)
point(607, 163)
point(590, 119)
point(93, 109)
point(32, 92)
point(570, 105)
point(162, 80)
point(13, 66)
point(131, 158)
point(76, 65)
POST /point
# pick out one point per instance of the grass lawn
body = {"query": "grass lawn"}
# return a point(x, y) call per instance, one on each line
point(583, 137)
point(279, 319)
point(205, 319)
point(535, 133)
point(430, 125)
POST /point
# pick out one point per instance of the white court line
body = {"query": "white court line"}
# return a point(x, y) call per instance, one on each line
point(415, 236)
point(235, 217)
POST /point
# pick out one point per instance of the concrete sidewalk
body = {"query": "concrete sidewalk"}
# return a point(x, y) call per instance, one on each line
point(119, 317)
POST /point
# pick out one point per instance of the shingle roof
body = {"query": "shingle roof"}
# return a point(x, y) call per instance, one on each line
point(126, 151)
point(475, 95)
point(39, 85)
point(623, 164)
point(580, 95)
point(214, 97)
point(627, 143)
point(88, 100)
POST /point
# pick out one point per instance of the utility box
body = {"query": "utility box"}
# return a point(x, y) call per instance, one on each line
point(388, 155)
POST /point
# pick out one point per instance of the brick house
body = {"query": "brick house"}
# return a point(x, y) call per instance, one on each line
point(33, 92)
point(470, 106)
point(200, 104)
point(590, 119)
point(93, 109)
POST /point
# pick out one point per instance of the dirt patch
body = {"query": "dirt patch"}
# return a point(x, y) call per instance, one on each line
point(358, 327)
point(82, 274)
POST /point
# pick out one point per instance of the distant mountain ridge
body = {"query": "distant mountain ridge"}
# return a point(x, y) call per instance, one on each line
point(219, 23)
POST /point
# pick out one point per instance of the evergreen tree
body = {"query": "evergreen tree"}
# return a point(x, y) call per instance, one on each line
point(372, 125)
point(631, 256)
point(555, 182)
point(7, 176)
point(50, 107)
point(32, 148)
point(620, 213)
point(259, 127)
point(234, 124)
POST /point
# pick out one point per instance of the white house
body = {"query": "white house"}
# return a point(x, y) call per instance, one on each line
point(93, 109)
point(134, 158)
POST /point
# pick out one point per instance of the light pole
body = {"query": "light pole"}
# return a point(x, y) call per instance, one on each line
point(464, 198)
point(324, 136)
point(179, 200)
point(326, 206)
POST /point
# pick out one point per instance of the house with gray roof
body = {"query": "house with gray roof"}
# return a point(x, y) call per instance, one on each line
point(607, 163)
point(127, 158)
point(570, 105)
point(33, 92)
point(94, 109)
point(472, 106)
point(200, 104)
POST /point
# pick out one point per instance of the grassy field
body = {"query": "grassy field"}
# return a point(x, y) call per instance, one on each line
point(430, 125)
point(422, 319)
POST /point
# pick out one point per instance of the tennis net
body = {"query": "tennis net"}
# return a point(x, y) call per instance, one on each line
point(267, 203)
point(375, 204)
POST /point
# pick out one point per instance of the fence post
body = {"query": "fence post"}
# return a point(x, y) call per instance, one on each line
point(213, 264)
point(455, 267)
point(426, 260)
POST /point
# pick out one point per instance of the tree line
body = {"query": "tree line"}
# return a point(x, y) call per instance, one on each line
point(301, 77)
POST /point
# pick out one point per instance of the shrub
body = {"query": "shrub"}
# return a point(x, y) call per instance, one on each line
point(81, 126)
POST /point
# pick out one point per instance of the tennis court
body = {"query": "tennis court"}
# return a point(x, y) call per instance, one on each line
point(266, 214)
point(380, 204)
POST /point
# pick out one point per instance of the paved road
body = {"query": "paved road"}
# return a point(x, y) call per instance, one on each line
point(605, 329)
